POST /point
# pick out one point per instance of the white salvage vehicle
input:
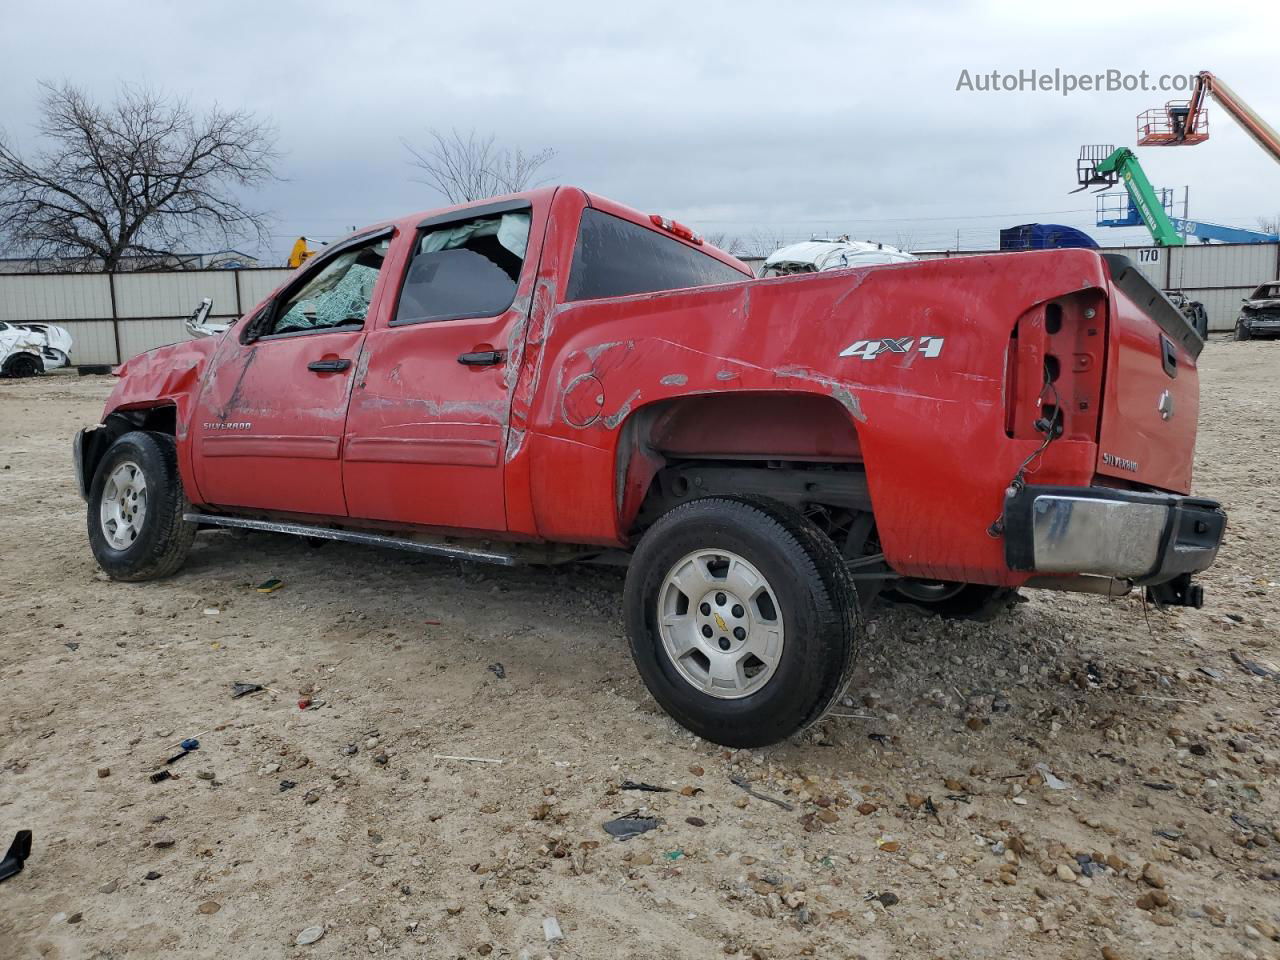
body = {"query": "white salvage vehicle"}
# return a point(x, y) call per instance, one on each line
point(818, 256)
point(29, 349)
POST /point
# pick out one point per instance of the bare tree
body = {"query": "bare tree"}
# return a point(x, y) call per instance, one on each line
point(136, 178)
point(723, 241)
point(1269, 224)
point(758, 243)
point(473, 167)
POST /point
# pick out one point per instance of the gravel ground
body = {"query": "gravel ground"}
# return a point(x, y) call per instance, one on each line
point(1082, 778)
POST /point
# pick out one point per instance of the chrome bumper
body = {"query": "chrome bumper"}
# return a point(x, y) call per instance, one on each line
point(1145, 538)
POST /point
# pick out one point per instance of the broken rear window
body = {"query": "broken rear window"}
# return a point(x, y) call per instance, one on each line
point(615, 257)
point(469, 268)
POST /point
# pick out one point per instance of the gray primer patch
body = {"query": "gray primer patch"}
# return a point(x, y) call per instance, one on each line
point(727, 375)
point(620, 414)
point(842, 394)
point(674, 380)
point(849, 402)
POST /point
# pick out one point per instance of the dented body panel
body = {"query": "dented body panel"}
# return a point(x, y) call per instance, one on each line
point(930, 376)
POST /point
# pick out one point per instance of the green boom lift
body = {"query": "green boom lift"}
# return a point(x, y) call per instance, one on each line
point(1103, 166)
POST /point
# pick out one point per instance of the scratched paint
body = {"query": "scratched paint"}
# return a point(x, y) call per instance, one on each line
point(674, 380)
point(615, 418)
point(839, 391)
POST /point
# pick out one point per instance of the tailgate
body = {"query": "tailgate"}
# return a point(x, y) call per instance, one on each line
point(1151, 394)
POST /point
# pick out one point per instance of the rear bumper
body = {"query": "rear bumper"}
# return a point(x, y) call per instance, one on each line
point(1144, 538)
point(1261, 324)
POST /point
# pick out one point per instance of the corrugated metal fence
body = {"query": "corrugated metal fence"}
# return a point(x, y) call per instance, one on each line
point(113, 317)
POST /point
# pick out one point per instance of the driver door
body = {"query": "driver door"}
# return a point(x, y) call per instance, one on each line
point(267, 432)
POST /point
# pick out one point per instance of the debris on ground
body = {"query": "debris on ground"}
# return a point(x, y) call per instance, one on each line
point(551, 929)
point(1255, 668)
point(409, 847)
point(17, 855)
point(647, 787)
point(188, 745)
point(1051, 781)
point(630, 825)
point(498, 670)
point(745, 784)
point(269, 586)
point(241, 689)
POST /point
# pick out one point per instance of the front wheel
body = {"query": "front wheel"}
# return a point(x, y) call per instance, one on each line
point(21, 365)
point(1242, 331)
point(742, 619)
point(136, 502)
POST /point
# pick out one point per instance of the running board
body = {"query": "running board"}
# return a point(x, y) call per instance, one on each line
point(451, 551)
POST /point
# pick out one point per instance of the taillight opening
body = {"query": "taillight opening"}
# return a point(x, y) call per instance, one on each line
point(1053, 370)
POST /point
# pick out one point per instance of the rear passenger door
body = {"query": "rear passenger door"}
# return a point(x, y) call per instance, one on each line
point(426, 432)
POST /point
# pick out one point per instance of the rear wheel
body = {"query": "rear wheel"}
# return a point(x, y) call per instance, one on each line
point(742, 619)
point(136, 503)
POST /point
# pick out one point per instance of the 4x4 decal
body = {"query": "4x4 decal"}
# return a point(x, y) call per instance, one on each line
point(870, 349)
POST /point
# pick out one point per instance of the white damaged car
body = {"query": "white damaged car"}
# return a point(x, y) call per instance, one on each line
point(29, 349)
point(818, 256)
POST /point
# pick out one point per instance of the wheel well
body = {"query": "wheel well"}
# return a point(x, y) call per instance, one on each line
point(801, 449)
point(162, 418)
point(158, 419)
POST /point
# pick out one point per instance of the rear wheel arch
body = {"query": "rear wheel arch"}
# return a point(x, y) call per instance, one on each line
point(757, 430)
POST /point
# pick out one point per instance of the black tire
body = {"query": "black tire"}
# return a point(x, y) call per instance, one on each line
point(23, 365)
point(961, 601)
point(1200, 320)
point(164, 538)
point(815, 599)
point(1243, 332)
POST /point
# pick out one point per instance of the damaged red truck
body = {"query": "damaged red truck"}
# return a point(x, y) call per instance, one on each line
point(552, 377)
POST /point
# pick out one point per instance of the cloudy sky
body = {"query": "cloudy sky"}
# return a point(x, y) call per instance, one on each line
point(749, 119)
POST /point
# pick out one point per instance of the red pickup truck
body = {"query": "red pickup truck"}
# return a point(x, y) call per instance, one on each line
point(552, 377)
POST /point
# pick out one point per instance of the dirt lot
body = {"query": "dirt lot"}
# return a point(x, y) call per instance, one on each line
point(923, 825)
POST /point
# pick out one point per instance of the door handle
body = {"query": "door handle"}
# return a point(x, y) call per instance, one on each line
point(485, 358)
point(328, 366)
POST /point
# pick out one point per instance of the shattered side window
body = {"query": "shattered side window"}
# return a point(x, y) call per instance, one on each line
point(338, 295)
point(466, 269)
